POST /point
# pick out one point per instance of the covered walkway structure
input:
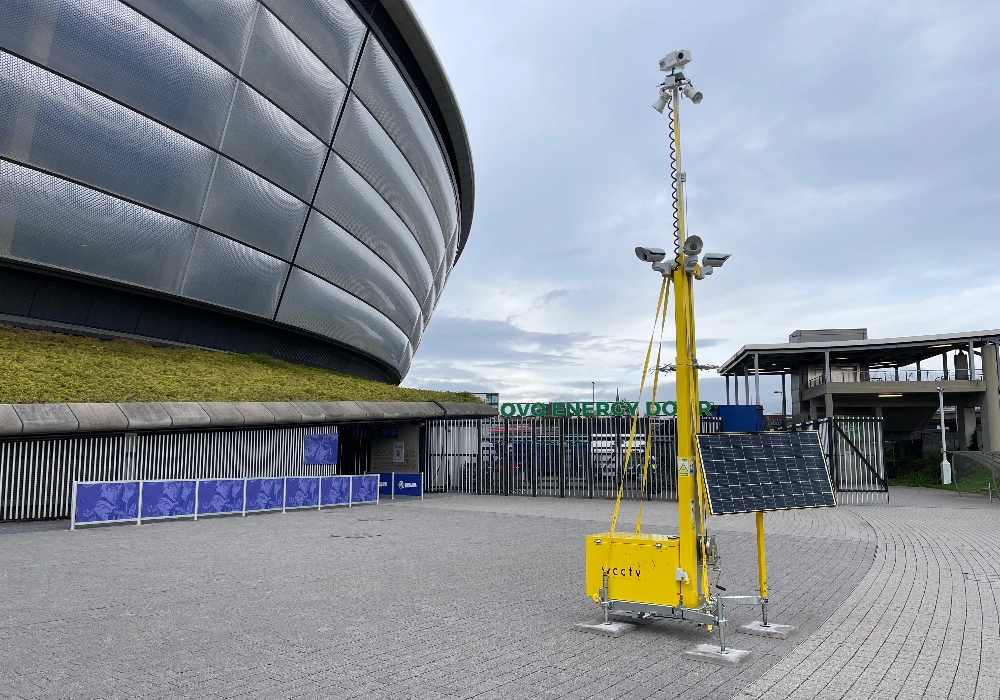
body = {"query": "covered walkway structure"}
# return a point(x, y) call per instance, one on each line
point(843, 372)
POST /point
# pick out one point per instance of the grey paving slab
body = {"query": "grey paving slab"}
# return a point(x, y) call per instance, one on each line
point(923, 622)
point(478, 596)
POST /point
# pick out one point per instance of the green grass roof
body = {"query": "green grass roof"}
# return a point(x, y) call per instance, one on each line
point(40, 367)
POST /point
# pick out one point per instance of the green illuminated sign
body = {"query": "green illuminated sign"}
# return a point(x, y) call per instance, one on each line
point(562, 409)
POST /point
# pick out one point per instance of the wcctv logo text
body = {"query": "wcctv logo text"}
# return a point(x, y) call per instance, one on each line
point(622, 572)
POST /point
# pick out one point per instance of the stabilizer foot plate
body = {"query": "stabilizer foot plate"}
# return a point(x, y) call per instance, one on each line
point(772, 630)
point(610, 629)
point(713, 654)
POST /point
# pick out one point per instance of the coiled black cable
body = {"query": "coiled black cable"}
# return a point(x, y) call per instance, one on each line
point(675, 201)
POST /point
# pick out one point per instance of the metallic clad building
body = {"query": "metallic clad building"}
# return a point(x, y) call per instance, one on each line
point(286, 177)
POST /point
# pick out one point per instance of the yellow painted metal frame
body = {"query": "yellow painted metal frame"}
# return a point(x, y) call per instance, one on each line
point(672, 571)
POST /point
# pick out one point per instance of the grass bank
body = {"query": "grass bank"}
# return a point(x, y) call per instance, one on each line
point(922, 472)
point(40, 367)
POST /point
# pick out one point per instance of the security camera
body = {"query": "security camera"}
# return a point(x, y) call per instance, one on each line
point(653, 255)
point(677, 59)
point(693, 245)
point(715, 259)
point(692, 94)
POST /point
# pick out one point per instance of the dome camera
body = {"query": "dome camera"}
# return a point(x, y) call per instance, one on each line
point(693, 245)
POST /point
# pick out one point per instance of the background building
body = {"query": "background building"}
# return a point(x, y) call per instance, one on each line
point(489, 398)
point(287, 177)
point(842, 372)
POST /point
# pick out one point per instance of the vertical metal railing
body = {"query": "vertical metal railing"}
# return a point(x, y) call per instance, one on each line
point(36, 476)
point(855, 452)
point(575, 456)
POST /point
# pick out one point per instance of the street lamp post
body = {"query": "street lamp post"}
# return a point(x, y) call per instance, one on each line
point(945, 465)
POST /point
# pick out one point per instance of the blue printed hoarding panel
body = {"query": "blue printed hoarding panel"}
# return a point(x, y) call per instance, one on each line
point(301, 491)
point(220, 496)
point(265, 494)
point(168, 499)
point(336, 490)
point(106, 502)
point(385, 484)
point(321, 449)
point(408, 484)
point(364, 488)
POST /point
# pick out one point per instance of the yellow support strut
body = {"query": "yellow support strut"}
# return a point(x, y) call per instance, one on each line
point(762, 566)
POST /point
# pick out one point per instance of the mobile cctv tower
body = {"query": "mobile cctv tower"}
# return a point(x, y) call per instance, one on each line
point(662, 576)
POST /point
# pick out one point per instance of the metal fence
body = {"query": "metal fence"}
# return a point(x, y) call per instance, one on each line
point(36, 476)
point(567, 457)
point(854, 448)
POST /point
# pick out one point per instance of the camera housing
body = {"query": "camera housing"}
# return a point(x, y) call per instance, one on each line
point(695, 96)
point(676, 59)
point(715, 259)
point(651, 255)
point(693, 245)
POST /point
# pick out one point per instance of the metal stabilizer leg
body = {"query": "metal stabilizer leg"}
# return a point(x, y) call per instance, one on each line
point(608, 628)
point(763, 612)
point(721, 654)
point(722, 630)
point(604, 597)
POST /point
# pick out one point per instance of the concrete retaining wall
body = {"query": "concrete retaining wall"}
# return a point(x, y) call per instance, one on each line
point(71, 418)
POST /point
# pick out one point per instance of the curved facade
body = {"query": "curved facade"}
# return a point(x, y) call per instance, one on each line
point(288, 177)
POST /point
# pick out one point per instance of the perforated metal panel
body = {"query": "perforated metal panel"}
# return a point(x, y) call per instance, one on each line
point(439, 279)
point(330, 252)
point(752, 472)
point(453, 248)
point(385, 93)
point(50, 221)
point(268, 141)
point(230, 274)
point(158, 58)
point(427, 305)
point(364, 144)
point(57, 125)
point(120, 53)
point(282, 68)
point(329, 27)
point(318, 306)
point(245, 206)
point(220, 28)
point(345, 197)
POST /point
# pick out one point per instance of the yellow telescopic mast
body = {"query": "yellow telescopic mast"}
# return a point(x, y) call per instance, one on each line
point(690, 505)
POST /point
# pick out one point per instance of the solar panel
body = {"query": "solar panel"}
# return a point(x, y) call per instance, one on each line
point(749, 472)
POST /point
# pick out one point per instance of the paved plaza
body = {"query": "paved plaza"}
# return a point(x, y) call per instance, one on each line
point(477, 597)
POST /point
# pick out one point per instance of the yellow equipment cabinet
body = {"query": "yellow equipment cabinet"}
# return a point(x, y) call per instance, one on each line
point(637, 567)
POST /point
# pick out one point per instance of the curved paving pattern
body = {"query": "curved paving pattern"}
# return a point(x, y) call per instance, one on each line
point(452, 597)
point(924, 620)
point(476, 597)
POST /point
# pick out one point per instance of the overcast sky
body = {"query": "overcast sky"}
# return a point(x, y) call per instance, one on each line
point(846, 153)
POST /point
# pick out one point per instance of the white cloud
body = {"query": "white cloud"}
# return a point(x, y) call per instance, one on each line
point(845, 154)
